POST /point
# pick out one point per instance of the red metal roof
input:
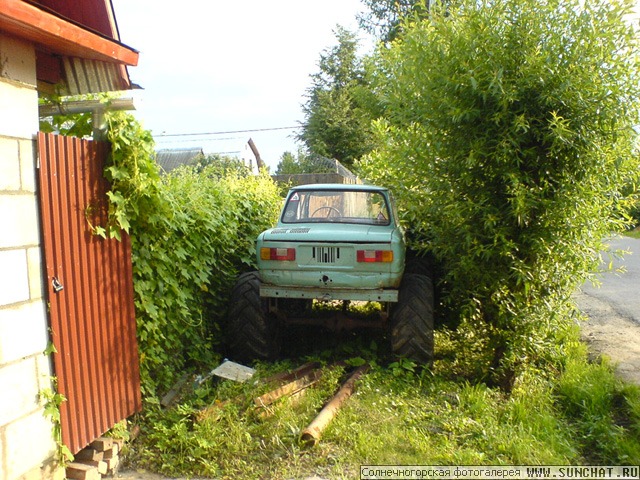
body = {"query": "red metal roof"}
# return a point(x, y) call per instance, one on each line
point(82, 30)
point(96, 15)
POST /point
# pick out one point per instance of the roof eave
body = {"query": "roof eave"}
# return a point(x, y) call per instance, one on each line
point(57, 35)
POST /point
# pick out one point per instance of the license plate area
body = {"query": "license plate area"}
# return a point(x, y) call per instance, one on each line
point(325, 255)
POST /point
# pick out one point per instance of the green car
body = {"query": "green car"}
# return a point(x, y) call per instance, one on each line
point(332, 242)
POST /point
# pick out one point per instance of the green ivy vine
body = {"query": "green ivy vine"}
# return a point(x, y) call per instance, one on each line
point(192, 232)
point(52, 400)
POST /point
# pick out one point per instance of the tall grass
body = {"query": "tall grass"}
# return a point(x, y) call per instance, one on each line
point(574, 413)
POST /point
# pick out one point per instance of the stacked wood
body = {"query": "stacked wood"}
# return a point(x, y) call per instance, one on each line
point(101, 457)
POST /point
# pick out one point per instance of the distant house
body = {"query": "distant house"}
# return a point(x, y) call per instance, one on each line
point(66, 47)
point(170, 159)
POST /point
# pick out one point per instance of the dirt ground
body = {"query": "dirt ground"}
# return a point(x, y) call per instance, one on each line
point(611, 335)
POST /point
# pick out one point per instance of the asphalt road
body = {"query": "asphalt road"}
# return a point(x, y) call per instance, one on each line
point(621, 290)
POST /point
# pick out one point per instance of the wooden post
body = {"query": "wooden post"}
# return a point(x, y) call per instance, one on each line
point(254, 149)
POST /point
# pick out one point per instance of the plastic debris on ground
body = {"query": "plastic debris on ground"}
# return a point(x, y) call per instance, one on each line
point(233, 371)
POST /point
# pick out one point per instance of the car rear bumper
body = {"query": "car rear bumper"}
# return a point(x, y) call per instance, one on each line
point(331, 278)
point(328, 294)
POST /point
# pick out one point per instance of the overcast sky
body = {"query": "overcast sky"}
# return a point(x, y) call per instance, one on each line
point(219, 66)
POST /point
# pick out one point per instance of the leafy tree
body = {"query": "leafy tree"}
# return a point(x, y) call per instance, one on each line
point(384, 18)
point(304, 163)
point(509, 138)
point(289, 164)
point(219, 166)
point(337, 120)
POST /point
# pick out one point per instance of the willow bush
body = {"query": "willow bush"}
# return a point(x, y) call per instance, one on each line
point(508, 136)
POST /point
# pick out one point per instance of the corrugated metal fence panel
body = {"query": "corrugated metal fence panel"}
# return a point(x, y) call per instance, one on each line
point(91, 76)
point(92, 318)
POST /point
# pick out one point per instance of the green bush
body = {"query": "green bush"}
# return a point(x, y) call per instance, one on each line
point(192, 231)
point(186, 264)
point(508, 136)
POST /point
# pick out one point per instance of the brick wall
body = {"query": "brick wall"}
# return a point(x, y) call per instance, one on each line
point(26, 443)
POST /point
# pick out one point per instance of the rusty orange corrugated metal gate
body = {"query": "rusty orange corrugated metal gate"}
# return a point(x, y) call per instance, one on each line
point(90, 292)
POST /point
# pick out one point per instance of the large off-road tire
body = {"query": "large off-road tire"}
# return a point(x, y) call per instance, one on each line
point(412, 319)
point(252, 334)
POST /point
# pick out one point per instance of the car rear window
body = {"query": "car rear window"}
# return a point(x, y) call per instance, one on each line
point(336, 206)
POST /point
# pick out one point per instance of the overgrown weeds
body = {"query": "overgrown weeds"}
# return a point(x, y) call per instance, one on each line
point(574, 413)
point(191, 233)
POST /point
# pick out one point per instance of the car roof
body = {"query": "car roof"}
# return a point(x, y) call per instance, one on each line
point(338, 186)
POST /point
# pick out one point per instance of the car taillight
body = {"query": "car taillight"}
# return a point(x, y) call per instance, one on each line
point(281, 254)
point(374, 256)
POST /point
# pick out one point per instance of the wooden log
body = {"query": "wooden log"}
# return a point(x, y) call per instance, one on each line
point(313, 432)
point(259, 160)
point(134, 433)
point(100, 465)
point(213, 411)
point(173, 394)
point(102, 444)
point(288, 389)
point(112, 452)
point(90, 454)
point(112, 464)
point(80, 471)
point(295, 374)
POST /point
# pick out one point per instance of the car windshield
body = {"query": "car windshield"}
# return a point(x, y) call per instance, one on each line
point(337, 206)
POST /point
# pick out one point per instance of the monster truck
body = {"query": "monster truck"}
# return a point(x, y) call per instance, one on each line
point(333, 242)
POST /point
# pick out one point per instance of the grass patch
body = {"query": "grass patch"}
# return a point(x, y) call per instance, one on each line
point(603, 412)
point(400, 414)
point(635, 233)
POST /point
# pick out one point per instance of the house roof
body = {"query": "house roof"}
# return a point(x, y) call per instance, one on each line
point(170, 159)
point(77, 43)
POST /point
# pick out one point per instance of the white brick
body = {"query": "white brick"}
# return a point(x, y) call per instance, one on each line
point(14, 279)
point(45, 371)
point(3, 472)
point(29, 442)
point(34, 265)
point(9, 165)
point(27, 165)
point(22, 331)
point(19, 220)
point(18, 60)
point(20, 383)
point(19, 107)
point(50, 470)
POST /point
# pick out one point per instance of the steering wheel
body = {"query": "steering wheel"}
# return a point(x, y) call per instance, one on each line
point(330, 210)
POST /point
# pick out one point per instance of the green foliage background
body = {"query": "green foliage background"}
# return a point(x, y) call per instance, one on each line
point(508, 136)
point(337, 112)
point(192, 231)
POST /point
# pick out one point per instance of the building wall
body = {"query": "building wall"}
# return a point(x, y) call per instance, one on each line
point(27, 447)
